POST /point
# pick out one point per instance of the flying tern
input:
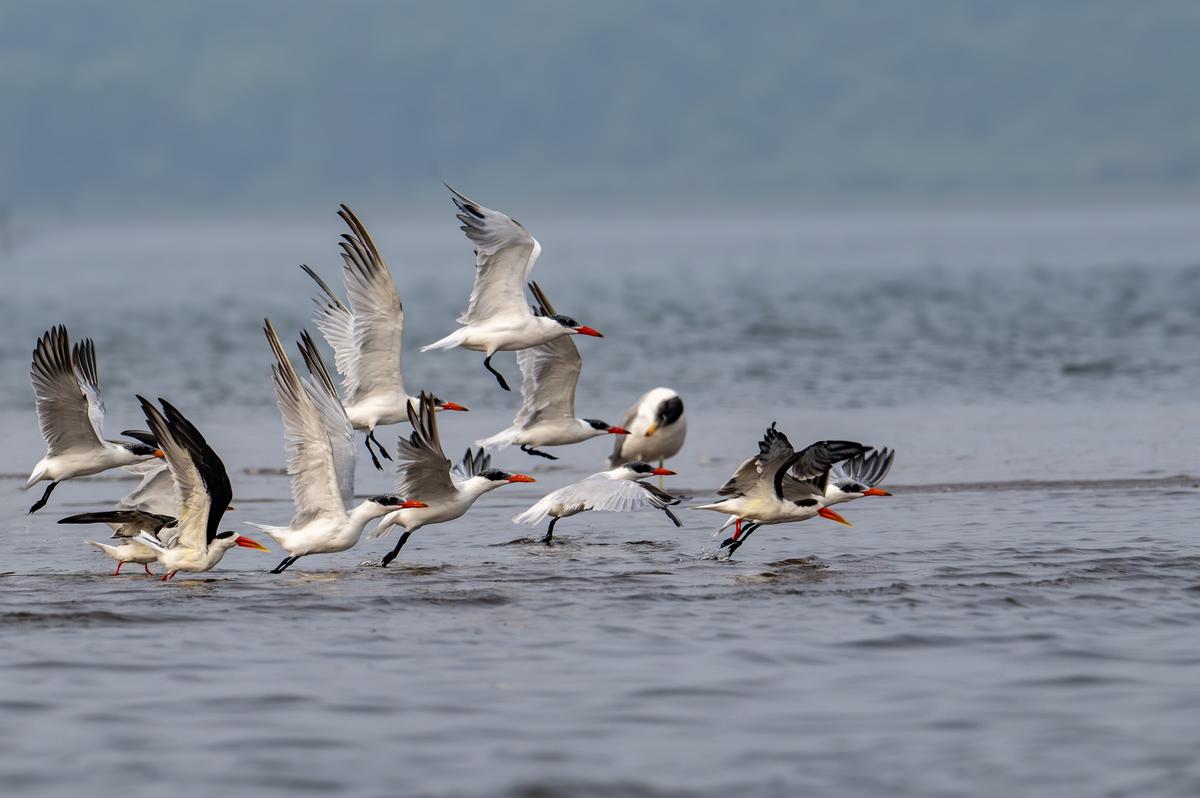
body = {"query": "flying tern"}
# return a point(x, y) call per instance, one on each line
point(320, 443)
point(549, 375)
point(366, 336)
point(70, 411)
point(425, 471)
point(497, 318)
point(617, 490)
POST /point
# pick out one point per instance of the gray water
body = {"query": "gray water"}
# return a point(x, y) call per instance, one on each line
point(1021, 617)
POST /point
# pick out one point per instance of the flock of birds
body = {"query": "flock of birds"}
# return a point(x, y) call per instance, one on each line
point(174, 514)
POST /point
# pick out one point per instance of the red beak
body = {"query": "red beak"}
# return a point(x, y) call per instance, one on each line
point(521, 478)
point(618, 431)
point(663, 472)
point(249, 543)
point(407, 505)
point(159, 454)
point(825, 512)
point(875, 492)
point(453, 406)
point(589, 331)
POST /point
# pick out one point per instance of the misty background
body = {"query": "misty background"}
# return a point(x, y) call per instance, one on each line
point(222, 108)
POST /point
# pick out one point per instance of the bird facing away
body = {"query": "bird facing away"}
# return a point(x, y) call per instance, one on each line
point(366, 336)
point(194, 544)
point(657, 428)
point(780, 485)
point(857, 477)
point(66, 385)
point(618, 490)
point(549, 375)
point(320, 444)
point(497, 318)
point(127, 526)
point(423, 470)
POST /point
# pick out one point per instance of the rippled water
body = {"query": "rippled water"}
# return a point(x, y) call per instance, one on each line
point(1034, 640)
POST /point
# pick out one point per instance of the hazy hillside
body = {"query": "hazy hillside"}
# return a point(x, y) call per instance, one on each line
point(127, 104)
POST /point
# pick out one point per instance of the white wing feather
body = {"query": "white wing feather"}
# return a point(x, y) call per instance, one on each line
point(504, 255)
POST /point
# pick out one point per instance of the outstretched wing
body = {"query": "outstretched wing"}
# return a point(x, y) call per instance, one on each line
point(504, 255)
point(64, 410)
point(83, 356)
point(155, 493)
point(813, 462)
point(377, 313)
point(549, 374)
point(422, 467)
point(474, 462)
point(316, 489)
point(336, 323)
point(199, 474)
point(600, 494)
point(868, 469)
point(774, 450)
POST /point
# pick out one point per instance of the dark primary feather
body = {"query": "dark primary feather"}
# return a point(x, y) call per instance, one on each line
point(142, 436)
point(659, 493)
point(869, 469)
point(315, 363)
point(542, 306)
point(331, 298)
point(474, 463)
point(813, 462)
point(170, 422)
point(84, 357)
point(774, 449)
point(151, 521)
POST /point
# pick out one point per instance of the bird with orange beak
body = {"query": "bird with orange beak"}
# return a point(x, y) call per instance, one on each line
point(366, 333)
point(424, 470)
point(617, 490)
point(780, 485)
point(320, 443)
point(857, 477)
point(193, 543)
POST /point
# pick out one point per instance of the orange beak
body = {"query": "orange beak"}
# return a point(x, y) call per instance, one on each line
point(407, 505)
point(875, 492)
point(618, 430)
point(159, 454)
point(589, 331)
point(521, 478)
point(663, 472)
point(825, 512)
point(453, 406)
point(248, 543)
point(650, 430)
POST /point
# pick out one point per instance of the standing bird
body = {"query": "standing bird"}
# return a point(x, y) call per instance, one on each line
point(497, 318)
point(366, 336)
point(549, 375)
point(194, 544)
point(858, 476)
point(780, 485)
point(656, 427)
point(425, 471)
point(617, 490)
point(70, 411)
point(320, 443)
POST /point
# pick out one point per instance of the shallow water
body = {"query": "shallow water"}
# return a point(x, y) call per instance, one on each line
point(1036, 638)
